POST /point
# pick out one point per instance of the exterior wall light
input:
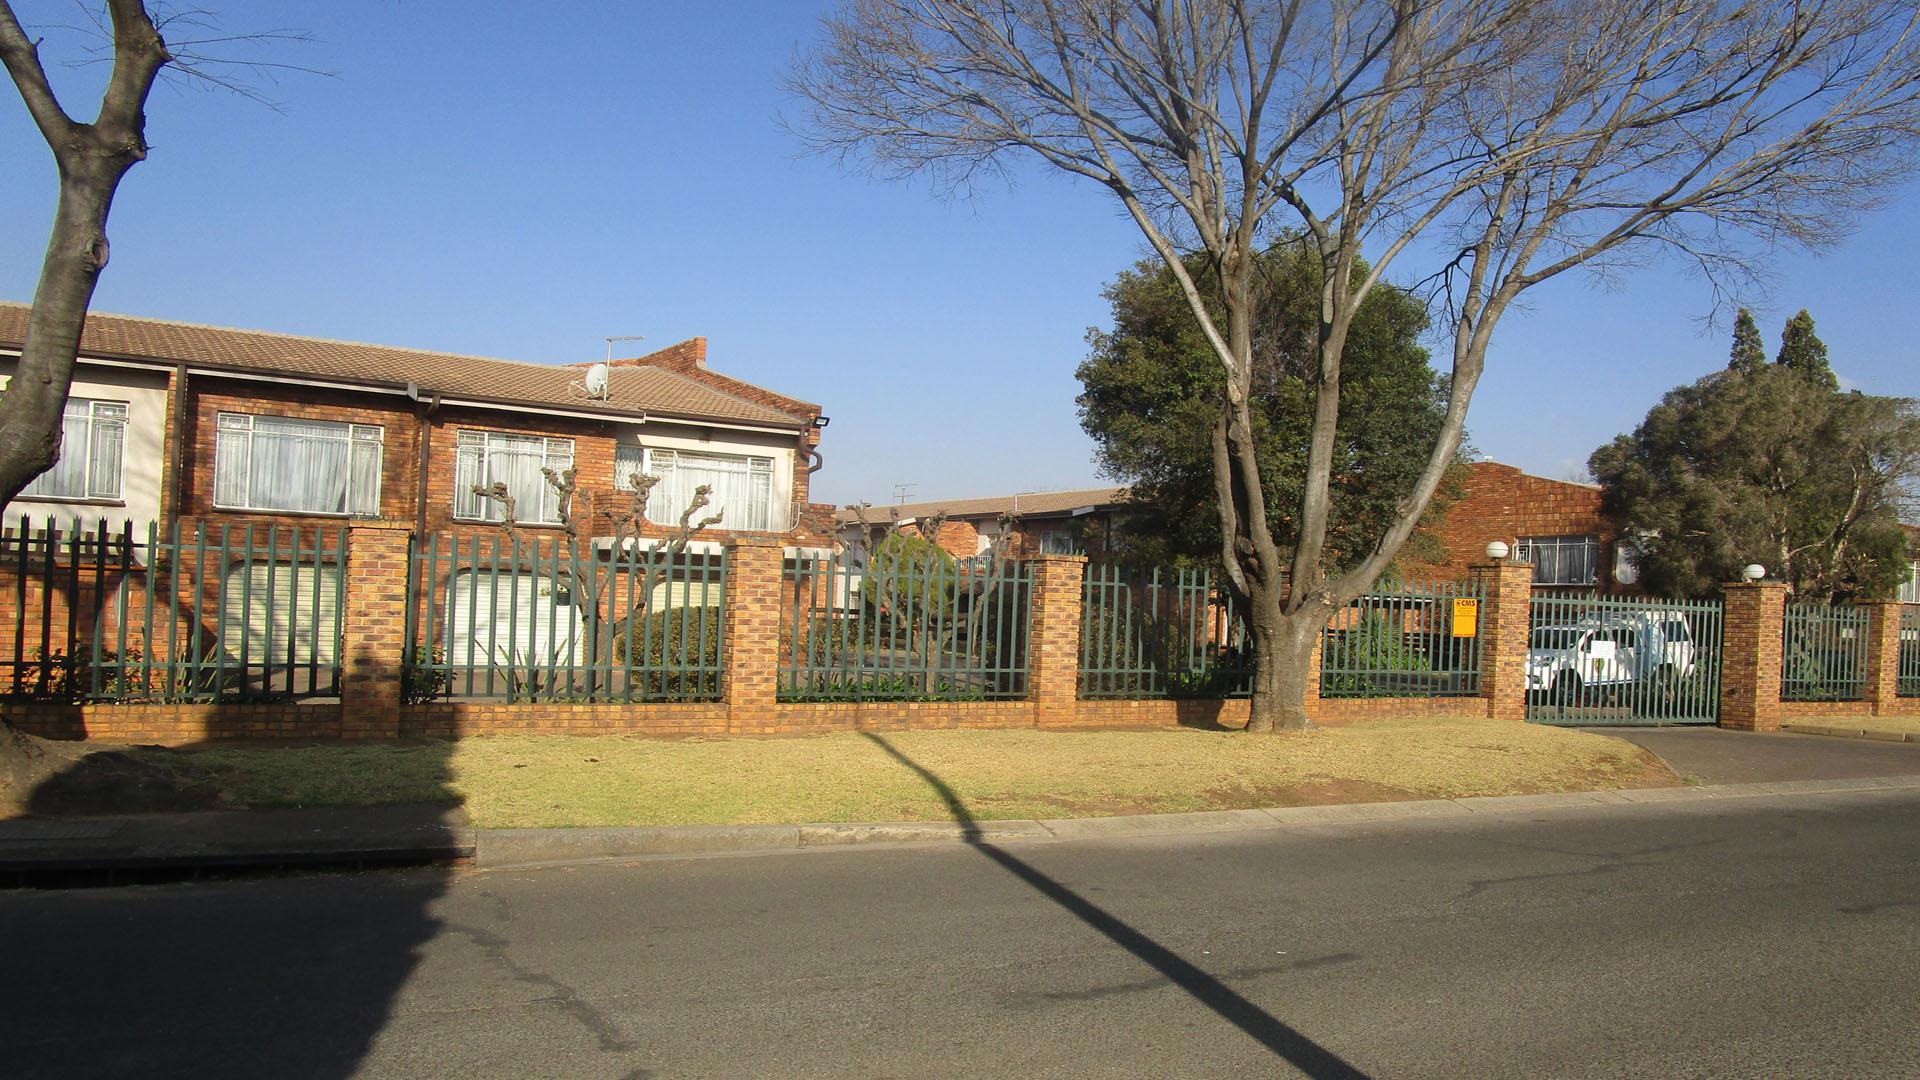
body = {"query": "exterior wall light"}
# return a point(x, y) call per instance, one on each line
point(1497, 550)
point(1753, 572)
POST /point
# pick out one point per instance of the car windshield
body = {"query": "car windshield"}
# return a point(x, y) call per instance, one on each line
point(1556, 637)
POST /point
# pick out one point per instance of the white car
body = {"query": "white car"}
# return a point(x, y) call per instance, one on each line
point(1618, 650)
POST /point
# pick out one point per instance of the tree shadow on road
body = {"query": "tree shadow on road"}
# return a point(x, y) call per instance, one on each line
point(281, 976)
point(1284, 1041)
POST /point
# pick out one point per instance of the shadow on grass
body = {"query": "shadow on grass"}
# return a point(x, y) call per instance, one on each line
point(1283, 1040)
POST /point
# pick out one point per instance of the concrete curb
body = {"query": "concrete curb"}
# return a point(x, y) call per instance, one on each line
point(1848, 731)
point(505, 848)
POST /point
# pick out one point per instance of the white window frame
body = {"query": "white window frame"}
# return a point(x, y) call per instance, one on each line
point(94, 415)
point(367, 504)
point(1524, 549)
point(470, 507)
point(1910, 588)
point(667, 502)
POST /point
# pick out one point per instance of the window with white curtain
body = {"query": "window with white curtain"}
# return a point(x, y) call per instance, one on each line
point(1910, 588)
point(742, 487)
point(302, 466)
point(93, 435)
point(1561, 560)
point(487, 458)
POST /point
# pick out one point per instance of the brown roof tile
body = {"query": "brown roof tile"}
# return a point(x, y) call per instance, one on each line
point(649, 389)
point(1025, 503)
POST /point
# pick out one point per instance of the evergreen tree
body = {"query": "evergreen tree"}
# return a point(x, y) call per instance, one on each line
point(1749, 353)
point(1802, 349)
point(1771, 468)
point(1151, 396)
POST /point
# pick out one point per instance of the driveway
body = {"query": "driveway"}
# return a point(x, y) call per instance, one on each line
point(1718, 756)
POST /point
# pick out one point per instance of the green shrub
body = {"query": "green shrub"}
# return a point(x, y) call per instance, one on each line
point(672, 653)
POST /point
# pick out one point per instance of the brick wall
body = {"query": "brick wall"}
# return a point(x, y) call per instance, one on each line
point(370, 705)
point(1500, 502)
point(404, 425)
point(1751, 656)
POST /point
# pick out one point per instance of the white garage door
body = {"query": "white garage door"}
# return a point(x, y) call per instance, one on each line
point(510, 620)
point(273, 606)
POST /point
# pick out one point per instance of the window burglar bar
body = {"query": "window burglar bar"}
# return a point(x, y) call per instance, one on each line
point(1560, 560)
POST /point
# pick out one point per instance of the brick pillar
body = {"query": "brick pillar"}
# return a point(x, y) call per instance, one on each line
point(1053, 646)
point(1750, 656)
point(1506, 617)
point(1883, 657)
point(752, 631)
point(373, 630)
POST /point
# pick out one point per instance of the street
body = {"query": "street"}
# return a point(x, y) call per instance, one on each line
point(1768, 936)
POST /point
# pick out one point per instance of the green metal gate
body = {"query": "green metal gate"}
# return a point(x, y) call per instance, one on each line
point(1623, 660)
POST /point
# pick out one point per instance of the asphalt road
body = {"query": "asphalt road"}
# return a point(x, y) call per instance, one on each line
point(1774, 936)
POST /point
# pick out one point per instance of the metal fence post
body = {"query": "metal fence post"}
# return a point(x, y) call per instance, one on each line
point(1754, 644)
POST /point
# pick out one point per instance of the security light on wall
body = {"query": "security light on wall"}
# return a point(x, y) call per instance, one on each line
point(1497, 550)
point(1753, 572)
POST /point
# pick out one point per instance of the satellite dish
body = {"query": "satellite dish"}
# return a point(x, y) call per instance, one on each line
point(596, 382)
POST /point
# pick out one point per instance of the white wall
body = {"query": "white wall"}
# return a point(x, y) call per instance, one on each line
point(145, 393)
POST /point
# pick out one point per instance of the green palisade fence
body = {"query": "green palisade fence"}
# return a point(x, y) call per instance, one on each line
point(1623, 660)
point(1158, 633)
point(915, 625)
point(1416, 641)
point(1824, 652)
point(518, 619)
point(1909, 682)
point(209, 613)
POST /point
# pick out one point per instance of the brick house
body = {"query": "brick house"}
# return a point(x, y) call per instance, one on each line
point(177, 422)
point(1557, 526)
point(1044, 522)
point(240, 433)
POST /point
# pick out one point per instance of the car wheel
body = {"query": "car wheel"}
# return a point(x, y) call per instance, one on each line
point(1566, 690)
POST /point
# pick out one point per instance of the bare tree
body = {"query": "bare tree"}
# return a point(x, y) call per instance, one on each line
point(1503, 142)
point(92, 157)
point(610, 624)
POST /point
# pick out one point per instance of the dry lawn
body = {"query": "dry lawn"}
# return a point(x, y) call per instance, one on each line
point(541, 781)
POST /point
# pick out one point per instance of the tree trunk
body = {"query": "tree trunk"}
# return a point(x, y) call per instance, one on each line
point(92, 158)
point(1283, 651)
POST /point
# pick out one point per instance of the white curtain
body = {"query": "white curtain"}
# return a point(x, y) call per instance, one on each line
point(742, 487)
point(487, 458)
point(303, 466)
point(92, 434)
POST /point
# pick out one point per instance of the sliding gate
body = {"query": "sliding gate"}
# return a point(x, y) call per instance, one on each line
point(1623, 660)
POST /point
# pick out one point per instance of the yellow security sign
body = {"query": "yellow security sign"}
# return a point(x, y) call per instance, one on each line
point(1466, 617)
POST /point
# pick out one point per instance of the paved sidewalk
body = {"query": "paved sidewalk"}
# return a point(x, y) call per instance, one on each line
point(1879, 729)
point(235, 839)
point(505, 848)
point(1717, 756)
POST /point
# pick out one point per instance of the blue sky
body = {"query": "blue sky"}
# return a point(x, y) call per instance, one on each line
point(514, 181)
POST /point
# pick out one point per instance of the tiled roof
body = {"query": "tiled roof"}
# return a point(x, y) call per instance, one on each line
point(1025, 503)
point(652, 390)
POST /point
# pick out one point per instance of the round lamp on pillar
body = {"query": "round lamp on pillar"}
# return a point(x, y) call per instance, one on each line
point(1497, 550)
point(1753, 572)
